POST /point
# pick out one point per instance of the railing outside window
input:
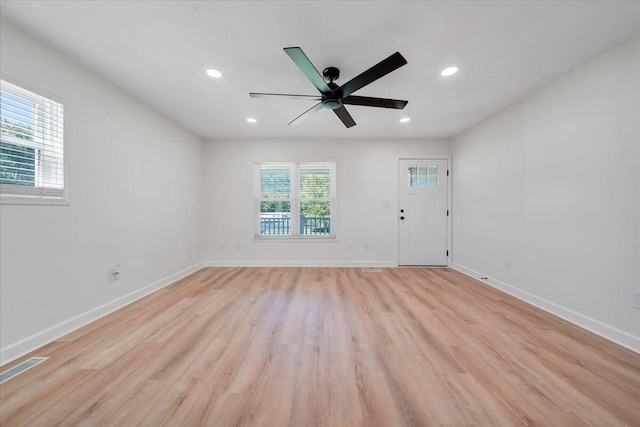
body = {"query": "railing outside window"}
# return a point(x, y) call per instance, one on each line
point(273, 225)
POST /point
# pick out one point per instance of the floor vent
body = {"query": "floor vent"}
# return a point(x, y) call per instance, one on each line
point(18, 369)
point(371, 270)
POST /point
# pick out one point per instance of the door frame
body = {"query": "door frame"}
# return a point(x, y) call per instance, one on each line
point(449, 218)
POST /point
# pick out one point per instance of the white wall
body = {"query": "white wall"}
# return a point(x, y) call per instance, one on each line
point(134, 188)
point(553, 182)
point(366, 176)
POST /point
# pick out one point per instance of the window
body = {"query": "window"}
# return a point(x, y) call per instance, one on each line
point(423, 176)
point(31, 146)
point(295, 200)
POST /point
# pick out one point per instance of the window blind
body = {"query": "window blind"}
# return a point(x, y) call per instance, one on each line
point(31, 143)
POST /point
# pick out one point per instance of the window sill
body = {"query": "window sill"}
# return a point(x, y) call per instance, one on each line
point(325, 239)
point(12, 199)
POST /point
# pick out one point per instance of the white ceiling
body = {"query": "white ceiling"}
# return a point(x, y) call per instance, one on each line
point(159, 50)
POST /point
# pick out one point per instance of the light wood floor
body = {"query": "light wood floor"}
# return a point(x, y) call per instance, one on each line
point(327, 346)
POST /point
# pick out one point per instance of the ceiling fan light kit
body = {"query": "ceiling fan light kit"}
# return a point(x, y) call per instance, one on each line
point(334, 97)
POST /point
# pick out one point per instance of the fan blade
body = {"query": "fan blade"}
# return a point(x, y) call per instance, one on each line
point(306, 114)
point(374, 102)
point(301, 60)
point(345, 116)
point(381, 69)
point(284, 95)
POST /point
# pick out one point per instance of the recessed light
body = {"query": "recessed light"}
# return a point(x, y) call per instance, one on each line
point(251, 120)
point(405, 120)
point(450, 71)
point(214, 73)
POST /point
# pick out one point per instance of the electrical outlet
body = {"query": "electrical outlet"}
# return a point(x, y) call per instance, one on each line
point(222, 246)
point(350, 246)
point(189, 250)
point(239, 246)
point(636, 300)
point(366, 246)
point(507, 262)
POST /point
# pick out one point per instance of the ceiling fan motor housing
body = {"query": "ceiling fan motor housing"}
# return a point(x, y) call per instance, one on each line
point(332, 100)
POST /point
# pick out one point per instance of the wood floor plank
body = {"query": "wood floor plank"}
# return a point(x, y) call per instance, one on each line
point(327, 347)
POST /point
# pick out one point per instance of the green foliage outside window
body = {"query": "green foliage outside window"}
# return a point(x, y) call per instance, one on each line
point(315, 184)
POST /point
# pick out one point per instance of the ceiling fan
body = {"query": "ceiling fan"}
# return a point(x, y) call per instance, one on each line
point(334, 97)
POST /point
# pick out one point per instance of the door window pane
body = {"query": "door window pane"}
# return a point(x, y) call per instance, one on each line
point(423, 176)
point(413, 172)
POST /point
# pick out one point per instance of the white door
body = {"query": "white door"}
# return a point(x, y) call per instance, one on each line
point(423, 193)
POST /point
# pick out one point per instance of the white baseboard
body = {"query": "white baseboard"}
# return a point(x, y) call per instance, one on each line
point(37, 340)
point(609, 332)
point(297, 263)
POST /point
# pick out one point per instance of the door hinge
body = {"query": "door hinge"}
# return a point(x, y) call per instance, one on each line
point(447, 172)
point(447, 252)
point(447, 212)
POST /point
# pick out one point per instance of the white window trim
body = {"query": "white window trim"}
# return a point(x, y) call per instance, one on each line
point(13, 199)
point(295, 204)
point(43, 198)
